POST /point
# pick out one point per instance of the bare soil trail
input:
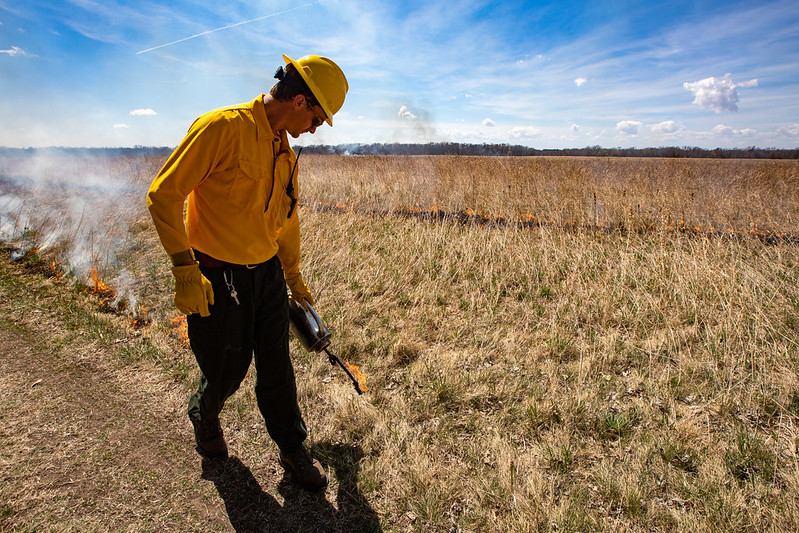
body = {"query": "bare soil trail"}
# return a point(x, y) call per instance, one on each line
point(88, 443)
point(92, 447)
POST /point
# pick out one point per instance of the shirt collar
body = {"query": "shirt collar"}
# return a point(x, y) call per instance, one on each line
point(263, 128)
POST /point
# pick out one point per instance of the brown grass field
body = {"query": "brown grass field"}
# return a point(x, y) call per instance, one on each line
point(551, 344)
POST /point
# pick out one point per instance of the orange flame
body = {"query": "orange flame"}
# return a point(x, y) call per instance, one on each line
point(100, 287)
point(182, 327)
point(56, 271)
point(107, 294)
point(141, 320)
point(357, 374)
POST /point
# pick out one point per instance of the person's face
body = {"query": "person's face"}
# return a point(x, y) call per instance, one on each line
point(308, 117)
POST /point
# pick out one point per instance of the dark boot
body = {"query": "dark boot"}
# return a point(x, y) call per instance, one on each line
point(307, 471)
point(208, 436)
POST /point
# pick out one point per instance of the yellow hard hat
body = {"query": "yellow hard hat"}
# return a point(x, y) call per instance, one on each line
point(326, 81)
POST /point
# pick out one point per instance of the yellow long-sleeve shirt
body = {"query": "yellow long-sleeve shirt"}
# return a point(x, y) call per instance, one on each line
point(230, 168)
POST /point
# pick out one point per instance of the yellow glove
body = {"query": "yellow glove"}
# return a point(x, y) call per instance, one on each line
point(193, 291)
point(299, 290)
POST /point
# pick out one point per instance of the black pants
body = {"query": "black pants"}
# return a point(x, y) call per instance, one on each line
point(224, 344)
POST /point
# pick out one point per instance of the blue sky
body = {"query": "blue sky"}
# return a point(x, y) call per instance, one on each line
point(542, 74)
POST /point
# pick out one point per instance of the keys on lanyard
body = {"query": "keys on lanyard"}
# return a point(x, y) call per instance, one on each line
point(229, 284)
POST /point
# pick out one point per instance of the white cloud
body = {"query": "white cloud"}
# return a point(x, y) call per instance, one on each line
point(14, 51)
point(575, 128)
point(524, 132)
point(628, 127)
point(120, 126)
point(579, 82)
point(143, 112)
point(791, 130)
point(718, 94)
point(467, 95)
point(726, 131)
point(668, 126)
point(405, 113)
point(489, 122)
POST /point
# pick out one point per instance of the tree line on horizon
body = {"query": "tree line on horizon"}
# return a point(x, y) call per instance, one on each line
point(448, 148)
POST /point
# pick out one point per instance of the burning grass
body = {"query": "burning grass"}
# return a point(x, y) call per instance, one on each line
point(359, 376)
point(546, 376)
point(181, 328)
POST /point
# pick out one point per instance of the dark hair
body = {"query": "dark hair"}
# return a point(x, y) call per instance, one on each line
point(290, 84)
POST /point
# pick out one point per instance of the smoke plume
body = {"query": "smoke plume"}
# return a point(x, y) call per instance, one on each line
point(77, 210)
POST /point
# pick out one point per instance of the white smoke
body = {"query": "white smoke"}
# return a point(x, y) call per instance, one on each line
point(78, 210)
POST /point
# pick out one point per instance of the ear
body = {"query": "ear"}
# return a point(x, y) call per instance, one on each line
point(298, 101)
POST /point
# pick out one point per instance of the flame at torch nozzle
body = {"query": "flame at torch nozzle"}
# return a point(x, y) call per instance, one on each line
point(358, 382)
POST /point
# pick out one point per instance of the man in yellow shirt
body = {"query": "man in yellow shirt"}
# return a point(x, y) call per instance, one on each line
point(240, 247)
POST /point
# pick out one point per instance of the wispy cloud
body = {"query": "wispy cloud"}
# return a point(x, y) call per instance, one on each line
point(15, 51)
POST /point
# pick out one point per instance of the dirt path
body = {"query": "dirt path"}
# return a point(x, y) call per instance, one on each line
point(89, 447)
point(89, 444)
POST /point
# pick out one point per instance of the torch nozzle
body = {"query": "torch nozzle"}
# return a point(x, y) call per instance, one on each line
point(334, 360)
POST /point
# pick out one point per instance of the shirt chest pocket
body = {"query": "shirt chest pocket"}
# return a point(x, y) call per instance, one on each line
point(251, 186)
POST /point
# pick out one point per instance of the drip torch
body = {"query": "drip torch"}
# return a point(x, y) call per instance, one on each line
point(310, 330)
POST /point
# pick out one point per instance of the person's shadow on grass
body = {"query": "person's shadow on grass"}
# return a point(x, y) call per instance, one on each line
point(251, 509)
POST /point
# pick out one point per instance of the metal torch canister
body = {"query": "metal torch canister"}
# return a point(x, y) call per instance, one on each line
point(308, 327)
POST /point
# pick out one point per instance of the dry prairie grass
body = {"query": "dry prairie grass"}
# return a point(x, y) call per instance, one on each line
point(547, 378)
point(630, 193)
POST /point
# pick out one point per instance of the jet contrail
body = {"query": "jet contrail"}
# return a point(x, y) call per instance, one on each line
point(226, 27)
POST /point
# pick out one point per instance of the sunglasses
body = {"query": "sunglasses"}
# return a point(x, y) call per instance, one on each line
point(317, 120)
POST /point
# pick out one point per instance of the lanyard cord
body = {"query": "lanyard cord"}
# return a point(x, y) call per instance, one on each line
point(290, 187)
